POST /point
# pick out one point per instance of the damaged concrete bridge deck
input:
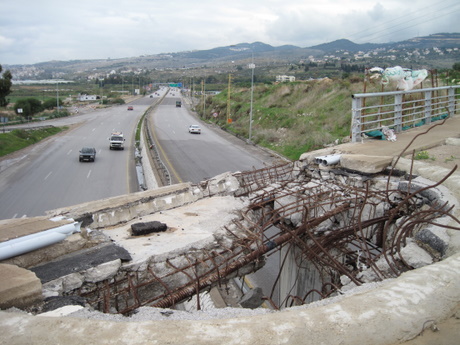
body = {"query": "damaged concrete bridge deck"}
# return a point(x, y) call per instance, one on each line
point(217, 230)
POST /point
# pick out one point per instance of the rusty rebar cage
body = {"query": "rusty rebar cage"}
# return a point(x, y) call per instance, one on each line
point(330, 224)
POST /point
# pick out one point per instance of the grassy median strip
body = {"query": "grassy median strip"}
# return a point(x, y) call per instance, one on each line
point(21, 138)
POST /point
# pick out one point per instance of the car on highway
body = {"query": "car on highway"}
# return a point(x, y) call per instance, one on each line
point(87, 154)
point(130, 107)
point(194, 129)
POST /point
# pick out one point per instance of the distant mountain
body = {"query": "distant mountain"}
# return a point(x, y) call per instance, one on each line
point(347, 45)
point(228, 51)
point(441, 40)
point(291, 53)
point(240, 54)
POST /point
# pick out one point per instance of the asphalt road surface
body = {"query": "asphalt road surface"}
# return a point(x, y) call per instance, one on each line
point(197, 157)
point(49, 175)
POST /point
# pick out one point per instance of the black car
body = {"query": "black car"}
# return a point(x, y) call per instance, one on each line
point(87, 154)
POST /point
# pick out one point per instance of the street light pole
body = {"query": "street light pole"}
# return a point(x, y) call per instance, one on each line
point(251, 66)
point(57, 97)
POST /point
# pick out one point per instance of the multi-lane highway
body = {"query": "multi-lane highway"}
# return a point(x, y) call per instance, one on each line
point(49, 175)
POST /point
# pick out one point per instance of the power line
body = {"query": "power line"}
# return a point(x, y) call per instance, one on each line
point(408, 27)
point(368, 33)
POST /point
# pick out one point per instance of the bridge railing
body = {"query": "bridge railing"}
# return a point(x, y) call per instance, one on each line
point(401, 110)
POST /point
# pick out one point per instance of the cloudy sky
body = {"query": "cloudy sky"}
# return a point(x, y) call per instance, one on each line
point(34, 31)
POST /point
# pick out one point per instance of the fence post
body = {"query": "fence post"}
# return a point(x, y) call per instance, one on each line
point(428, 107)
point(398, 113)
point(451, 101)
point(356, 103)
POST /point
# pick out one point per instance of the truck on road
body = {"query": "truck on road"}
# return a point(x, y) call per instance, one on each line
point(117, 141)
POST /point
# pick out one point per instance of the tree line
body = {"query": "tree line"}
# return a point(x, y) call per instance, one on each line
point(24, 107)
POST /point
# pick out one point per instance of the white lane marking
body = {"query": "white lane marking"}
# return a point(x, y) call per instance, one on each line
point(15, 215)
point(94, 129)
point(89, 173)
point(46, 177)
point(68, 153)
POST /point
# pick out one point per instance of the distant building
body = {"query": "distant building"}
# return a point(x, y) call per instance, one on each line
point(283, 78)
point(87, 97)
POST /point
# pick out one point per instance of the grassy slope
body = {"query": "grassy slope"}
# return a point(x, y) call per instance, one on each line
point(18, 139)
point(289, 118)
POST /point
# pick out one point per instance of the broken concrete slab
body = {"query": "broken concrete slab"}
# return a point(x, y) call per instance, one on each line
point(252, 299)
point(365, 164)
point(19, 287)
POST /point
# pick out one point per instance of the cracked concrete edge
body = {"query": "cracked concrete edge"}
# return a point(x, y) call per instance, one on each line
point(451, 186)
point(394, 312)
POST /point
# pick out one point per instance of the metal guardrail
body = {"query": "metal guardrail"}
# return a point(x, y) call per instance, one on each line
point(160, 167)
point(8, 129)
point(401, 110)
point(161, 170)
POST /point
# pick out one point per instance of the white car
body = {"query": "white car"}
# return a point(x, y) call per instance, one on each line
point(194, 129)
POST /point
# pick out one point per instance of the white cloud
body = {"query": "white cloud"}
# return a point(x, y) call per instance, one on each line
point(35, 31)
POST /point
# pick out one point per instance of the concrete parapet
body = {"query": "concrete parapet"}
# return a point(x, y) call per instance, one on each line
point(121, 209)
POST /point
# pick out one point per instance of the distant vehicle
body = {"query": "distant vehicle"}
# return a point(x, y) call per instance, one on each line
point(151, 96)
point(178, 104)
point(117, 141)
point(194, 129)
point(130, 107)
point(87, 154)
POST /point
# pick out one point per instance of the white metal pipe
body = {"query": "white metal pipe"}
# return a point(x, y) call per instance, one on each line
point(328, 160)
point(15, 249)
point(25, 244)
point(63, 229)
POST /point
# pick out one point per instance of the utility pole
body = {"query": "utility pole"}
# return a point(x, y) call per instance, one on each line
point(192, 93)
point(203, 98)
point(229, 118)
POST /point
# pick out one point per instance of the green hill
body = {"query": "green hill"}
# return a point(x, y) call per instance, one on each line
point(289, 118)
